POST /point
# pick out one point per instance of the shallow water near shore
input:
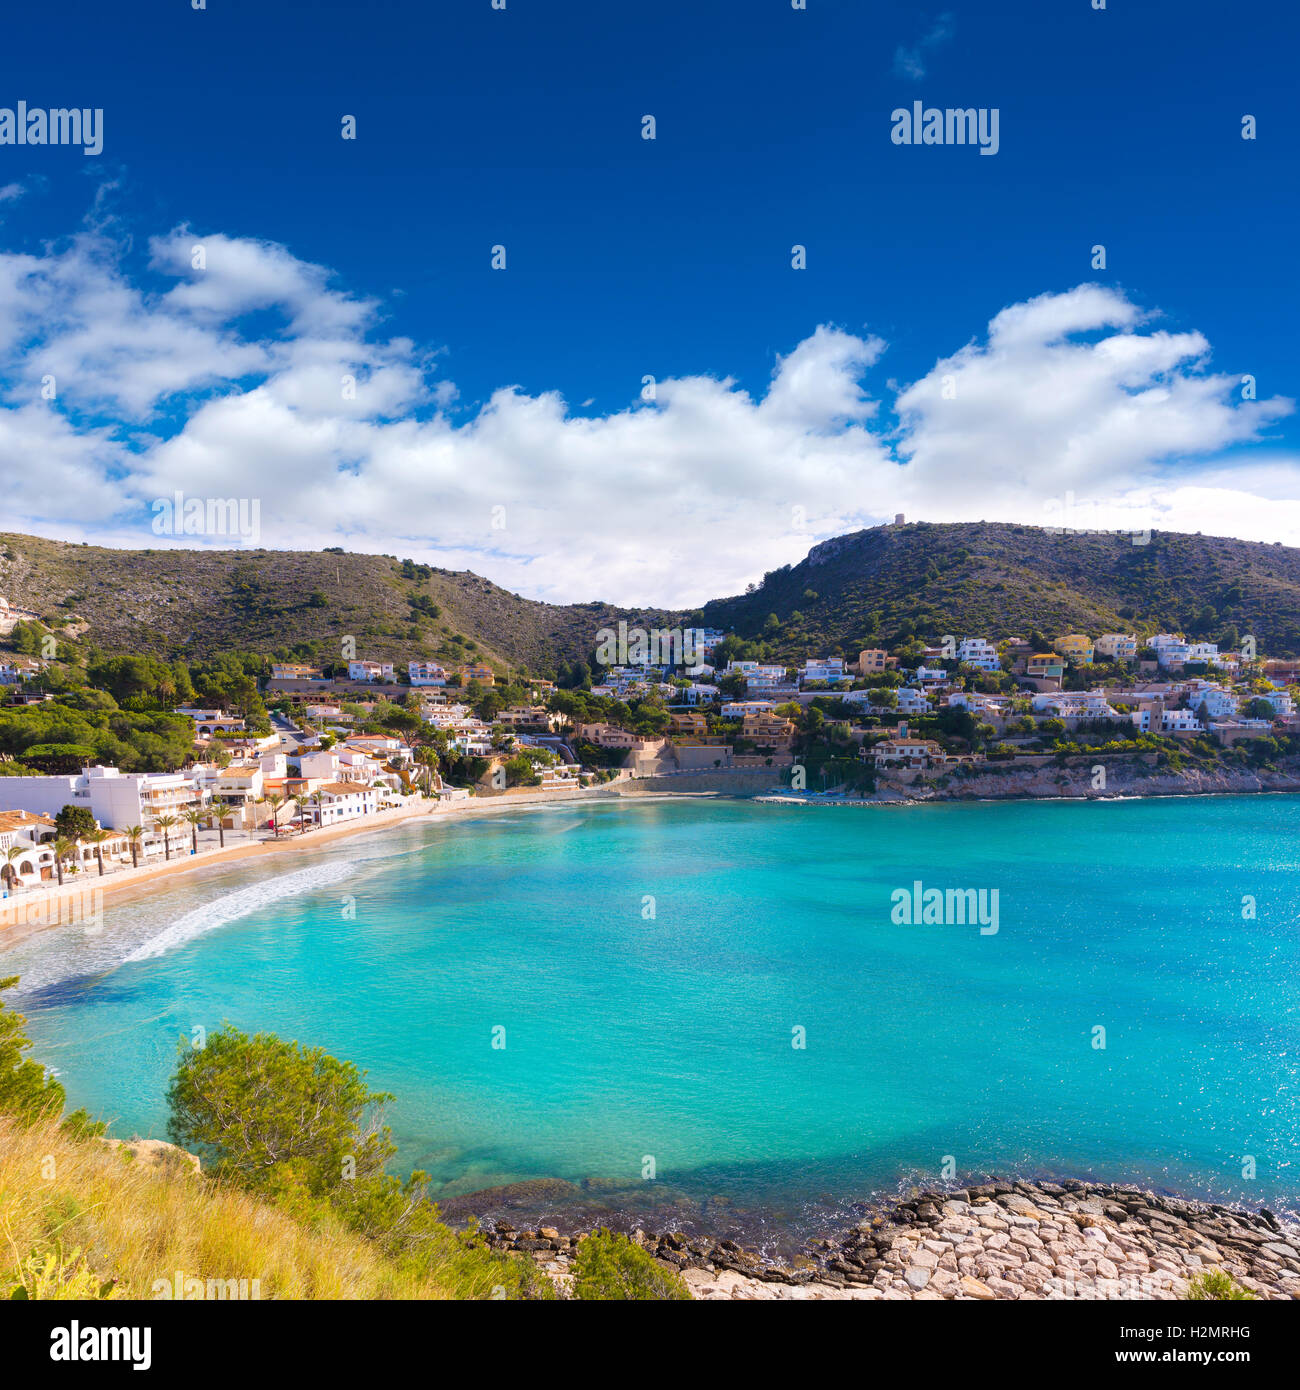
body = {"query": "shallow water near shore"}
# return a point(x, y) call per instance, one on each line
point(651, 965)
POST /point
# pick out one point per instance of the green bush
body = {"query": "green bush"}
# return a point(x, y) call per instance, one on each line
point(1214, 1284)
point(611, 1267)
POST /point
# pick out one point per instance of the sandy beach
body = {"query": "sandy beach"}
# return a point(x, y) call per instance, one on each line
point(84, 896)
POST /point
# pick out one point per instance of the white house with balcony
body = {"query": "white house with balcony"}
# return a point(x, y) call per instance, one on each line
point(822, 668)
point(979, 653)
point(370, 671)
point(426, 673)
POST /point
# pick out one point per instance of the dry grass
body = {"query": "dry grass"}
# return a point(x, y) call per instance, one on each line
point(137, 1223)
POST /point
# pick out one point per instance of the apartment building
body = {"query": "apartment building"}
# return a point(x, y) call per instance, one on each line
point(978, 652)
point(1077, 647)
point(426, 673)
point(1117, 646)
point(114, 798)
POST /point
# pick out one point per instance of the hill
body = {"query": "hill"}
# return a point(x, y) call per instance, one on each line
point(873, 587)
point(998, 580)
point(199, 603)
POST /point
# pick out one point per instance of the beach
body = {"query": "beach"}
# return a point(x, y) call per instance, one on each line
point(88, 893)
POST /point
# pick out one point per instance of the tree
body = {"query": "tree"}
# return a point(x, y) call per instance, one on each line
point(8, 872)
point(135, 837)
point(166, 824)
point(194, 818)
point(275, 801)
point(64, 849)
point(97, 838)
point(76, 822)
point(271, 1114)
point(218, 810)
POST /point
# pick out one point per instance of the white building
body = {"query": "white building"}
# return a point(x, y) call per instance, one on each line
point(335, 802)
point(114, 798)
point(912, 701)
point(1282, 704)
point(1170, 649)
point(370, 671)
point(1216, 701)
point(426, 673)
point(823, 668)
point(978, 652)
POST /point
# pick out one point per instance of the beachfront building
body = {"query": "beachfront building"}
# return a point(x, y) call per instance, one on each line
point(426, 673)
point(1077, 647)
point(978, 652)
point(114, 798)
point(370, 671)
point(906, 751)
point(769, 729)
point(334, 802)
point(31, 836)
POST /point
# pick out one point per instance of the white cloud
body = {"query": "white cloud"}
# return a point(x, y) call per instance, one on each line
point(910, 62)
point(231, 381)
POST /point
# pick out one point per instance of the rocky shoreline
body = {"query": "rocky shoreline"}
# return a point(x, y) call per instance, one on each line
point(994, 1240)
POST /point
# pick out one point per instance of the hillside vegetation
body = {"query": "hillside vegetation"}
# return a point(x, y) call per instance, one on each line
point(873, 587)
point(993, 580)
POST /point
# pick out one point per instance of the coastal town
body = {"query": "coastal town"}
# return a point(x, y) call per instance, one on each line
point(267, 750)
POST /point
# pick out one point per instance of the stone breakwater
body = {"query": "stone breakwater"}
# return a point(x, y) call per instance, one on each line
point(996, 1240)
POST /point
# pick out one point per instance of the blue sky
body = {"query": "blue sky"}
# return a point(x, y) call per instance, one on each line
point(670, 258)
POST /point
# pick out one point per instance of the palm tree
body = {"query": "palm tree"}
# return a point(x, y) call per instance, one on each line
point(194, 818)
point(301, 803)
point(64, 846)
point(220, 809)
point(8, 872)
point(319, 799)
point(275, 800)
point(135, 835)
point(166, 824)
point(97, 837)
point(427, 758)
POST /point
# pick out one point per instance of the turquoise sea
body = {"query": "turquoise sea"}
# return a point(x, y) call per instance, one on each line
point(651, 964)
